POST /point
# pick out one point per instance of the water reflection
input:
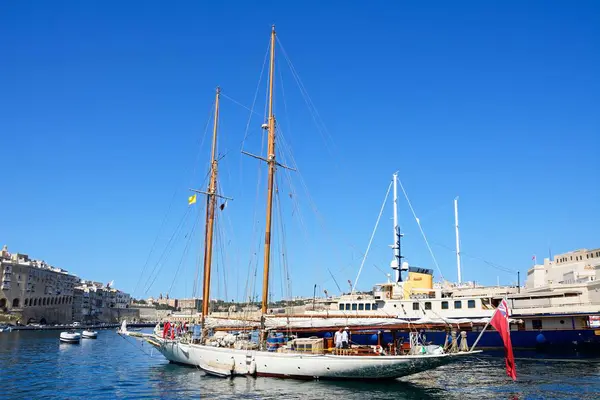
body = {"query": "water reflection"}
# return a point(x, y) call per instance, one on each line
point(110, 367)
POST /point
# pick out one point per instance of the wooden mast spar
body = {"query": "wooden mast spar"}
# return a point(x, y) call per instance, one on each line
point(272, 165)
point(211, 199)
point(271, 162)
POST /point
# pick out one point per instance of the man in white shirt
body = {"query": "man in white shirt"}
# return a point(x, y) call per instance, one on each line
point(338, 339)
point(345, 340)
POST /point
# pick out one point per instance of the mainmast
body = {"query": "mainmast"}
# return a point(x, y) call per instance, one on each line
point(457, 238)
point(271, 162)
point(397, 261)
point(211, 199)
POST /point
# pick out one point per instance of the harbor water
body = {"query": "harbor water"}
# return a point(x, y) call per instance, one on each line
point(35, 365)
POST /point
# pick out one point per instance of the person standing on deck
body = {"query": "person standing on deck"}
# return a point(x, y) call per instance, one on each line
point(337, 338)
point(345, 339)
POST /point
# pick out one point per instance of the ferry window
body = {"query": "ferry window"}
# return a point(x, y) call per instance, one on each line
point(374, 306)
point(457, 304)
point(562, 321)
point(536, 323)
point(347, 307)
point(368, 307)
point(444, 305)
point(353, 306)
point(416, 306)
point(341, 307)
point(428, 305)
point(361, 307)
point(471, 304)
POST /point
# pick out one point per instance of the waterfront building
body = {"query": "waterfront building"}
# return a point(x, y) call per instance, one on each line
point(579, 266)
point(95, 302)
point(33, 291)
point(562, 294)
point(193, 304)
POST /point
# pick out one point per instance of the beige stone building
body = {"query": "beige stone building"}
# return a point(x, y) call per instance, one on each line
point(33, 291)
point(189, 304)
point(577, 266)
point(95, 302)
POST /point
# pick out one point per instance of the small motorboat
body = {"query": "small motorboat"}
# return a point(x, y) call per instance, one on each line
point(70, 337)
point(89, 334)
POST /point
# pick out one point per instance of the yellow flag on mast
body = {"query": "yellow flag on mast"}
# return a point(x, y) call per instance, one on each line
point(191, 200)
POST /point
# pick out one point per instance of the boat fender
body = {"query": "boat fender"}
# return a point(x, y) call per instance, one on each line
point(541, 339)
point(252, 368)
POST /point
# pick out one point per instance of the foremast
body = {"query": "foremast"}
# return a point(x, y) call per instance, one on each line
point(211, 199)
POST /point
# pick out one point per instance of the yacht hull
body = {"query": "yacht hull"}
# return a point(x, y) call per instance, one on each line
point(299, 365)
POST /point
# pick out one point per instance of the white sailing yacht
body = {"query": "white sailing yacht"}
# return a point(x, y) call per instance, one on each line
point(300, 358)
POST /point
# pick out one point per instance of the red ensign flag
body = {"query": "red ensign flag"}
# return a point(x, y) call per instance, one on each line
point(500, 323)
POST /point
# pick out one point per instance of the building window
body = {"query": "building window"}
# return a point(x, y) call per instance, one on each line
point(471, 303)
point(368, 307)
point(457, 304)
point(26, 302)
point(536, 323)
point(353, 306)
point(361, 307)
point(428, 305)
point(444, 305)
point(15, 302)
point(347, 306)
point(416, 306)
point(341, 307)
point(374, 306)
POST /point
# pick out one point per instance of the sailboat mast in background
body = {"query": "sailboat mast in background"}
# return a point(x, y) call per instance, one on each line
point(457, 239)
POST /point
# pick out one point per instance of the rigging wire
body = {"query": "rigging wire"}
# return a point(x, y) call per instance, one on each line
point(189, 236)
point(167, 250)
point(262, 70)
point(492, 264)
point(327, 138)
point(372, 236)
point(420, 228)
point(285, 275)
point(172, 201)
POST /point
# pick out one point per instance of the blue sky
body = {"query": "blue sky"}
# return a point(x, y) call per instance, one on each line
point(104, 105)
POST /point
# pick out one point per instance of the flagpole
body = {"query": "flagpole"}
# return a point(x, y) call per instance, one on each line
point(484, 328)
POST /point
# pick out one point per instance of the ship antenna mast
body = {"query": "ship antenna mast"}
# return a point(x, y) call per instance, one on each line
point(396, 247)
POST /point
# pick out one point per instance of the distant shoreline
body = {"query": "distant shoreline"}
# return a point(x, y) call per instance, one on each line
point(70, 327)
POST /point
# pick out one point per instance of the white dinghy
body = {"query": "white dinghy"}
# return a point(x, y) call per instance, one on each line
point(70, 337)
point(89, 334)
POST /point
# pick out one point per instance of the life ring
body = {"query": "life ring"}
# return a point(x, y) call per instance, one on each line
point(378, 349)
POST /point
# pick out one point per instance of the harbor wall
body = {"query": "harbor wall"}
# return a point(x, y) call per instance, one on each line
point(151, 314)
point(59, 314)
